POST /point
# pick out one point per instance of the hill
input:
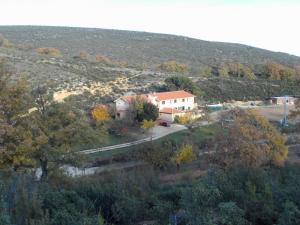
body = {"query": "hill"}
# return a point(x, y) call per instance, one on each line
point(108, 63)
point(140, 47)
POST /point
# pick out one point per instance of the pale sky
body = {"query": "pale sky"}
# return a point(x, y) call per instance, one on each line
point(269, 24)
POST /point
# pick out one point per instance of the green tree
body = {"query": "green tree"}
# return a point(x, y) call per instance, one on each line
point(206, 71)
point(16, 142)
point(142, 110)
point(199, 203)
point(290, 214)
point(182, 83)
point(231, 214)
point(159, 156)
point(58, 130)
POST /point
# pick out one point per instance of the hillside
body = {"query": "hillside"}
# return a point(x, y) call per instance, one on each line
point(128, 61)
point(140, 47)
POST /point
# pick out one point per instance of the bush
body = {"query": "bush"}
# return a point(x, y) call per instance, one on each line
point(185, 119)
point(53, 52)
point(5, 42)
point(173, 66)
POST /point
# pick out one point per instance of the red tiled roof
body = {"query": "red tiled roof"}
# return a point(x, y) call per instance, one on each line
point(170, 111)
point(130, 98)
point(172, 95)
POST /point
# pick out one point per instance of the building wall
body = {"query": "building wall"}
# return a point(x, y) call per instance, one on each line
point(187, 103)
point(121, 108)
point(169, 117)
point(281, 100)
point(121, 105)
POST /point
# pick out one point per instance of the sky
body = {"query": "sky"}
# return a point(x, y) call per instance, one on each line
point(268, 24)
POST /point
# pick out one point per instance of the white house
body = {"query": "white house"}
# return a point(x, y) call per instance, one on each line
point(289, 100)
point(170, 104)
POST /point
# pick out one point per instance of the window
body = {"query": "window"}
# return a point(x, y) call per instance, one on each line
point(183, 100)
point(175, 101)
point(163, 102)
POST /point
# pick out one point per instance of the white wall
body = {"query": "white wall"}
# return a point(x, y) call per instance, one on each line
point(188, 103)
point(169, 117)
point(121, 105)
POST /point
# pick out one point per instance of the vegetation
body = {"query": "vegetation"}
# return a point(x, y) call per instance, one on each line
point(249, 140)
point(16, 143)
point(184, 119)
point(148, 125)
point(173, 66)
point(240, 183)
point(184, 154)
point(141, 110)
point(236, 196)
point(53, 52)
point(236, 70)
point(182, 83)
point(4, 42)
point(216, 89)
point(100, 113)
point(48, 135)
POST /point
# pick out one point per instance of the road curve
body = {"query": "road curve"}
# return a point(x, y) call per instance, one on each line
point(157, 133)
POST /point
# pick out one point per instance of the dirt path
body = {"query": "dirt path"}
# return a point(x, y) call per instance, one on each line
point(157, 133)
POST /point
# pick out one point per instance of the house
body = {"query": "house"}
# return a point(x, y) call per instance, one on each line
point(170, 104)
point(290, 100)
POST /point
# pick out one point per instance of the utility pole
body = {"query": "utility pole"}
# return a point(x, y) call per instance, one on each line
point(285, 118)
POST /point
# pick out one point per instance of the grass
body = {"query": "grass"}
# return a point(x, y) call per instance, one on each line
point(195, 136)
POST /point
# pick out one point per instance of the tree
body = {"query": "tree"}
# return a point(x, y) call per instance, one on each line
point(184, 119)
point(231, 214)
point(182, 83)
point(173, 66)
point(290, 214)
point(148, 125)
point(277, 71)
point(198, 204)
point(59, 131)
point(100, 113)
point(223, 71)
point(16, 144)
point(142, 110)
point(157, 155)
point(206, 71)
point(236, 70)
point(249, 140)
point(184, 154)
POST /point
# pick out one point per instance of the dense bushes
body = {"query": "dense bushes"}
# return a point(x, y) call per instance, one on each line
point(175, 83)
point(217, 89)
point(238, 196)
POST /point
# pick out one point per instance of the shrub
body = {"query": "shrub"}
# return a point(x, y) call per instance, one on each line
point(173, 66)
point(103, 59)
point(5, 42)
point(53, 52)
point(184, 119)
